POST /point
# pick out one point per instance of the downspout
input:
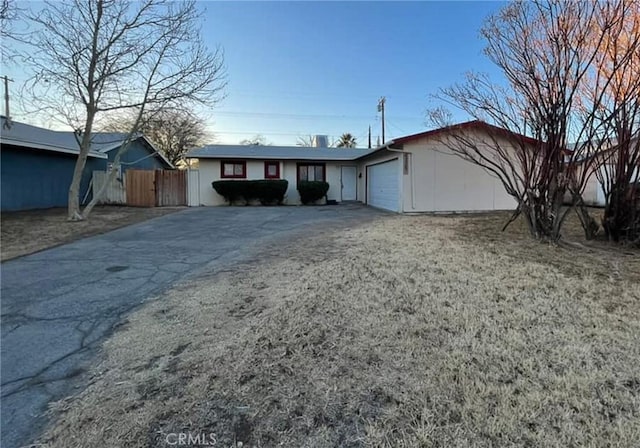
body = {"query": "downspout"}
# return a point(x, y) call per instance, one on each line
point(401, 151)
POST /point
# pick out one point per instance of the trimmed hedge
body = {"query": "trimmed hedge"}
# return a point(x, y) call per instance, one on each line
point(311, 191)
point(268, 191)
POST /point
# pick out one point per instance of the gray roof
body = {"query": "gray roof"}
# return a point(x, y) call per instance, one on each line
point(276, 152)
point(104, 142)
point(21, 134)
point(107, 141)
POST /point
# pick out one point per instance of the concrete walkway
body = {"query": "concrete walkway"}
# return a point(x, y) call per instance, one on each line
point(59, 305)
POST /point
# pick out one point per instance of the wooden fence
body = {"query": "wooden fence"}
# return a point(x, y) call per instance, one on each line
point(114, 193)
point(160, 188)
point(141, 190)
point(171, 187)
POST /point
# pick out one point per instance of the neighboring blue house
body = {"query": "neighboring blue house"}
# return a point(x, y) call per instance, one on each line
point(37, 164)
point(141, 154)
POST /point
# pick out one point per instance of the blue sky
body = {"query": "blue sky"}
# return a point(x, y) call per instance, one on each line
point(301, 68)
point(319, 68)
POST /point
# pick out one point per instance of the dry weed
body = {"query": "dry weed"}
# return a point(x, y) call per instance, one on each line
point(411, 331)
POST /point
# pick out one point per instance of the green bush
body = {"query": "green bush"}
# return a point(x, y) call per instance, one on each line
point(266, 191)
point(311, 191)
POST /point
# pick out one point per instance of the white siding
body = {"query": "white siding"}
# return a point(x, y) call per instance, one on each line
point(209, 171)
point(440, 181)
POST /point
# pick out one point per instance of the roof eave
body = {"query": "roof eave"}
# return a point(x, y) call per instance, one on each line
point(266, 157)
point(9, 141)
point(147, 141)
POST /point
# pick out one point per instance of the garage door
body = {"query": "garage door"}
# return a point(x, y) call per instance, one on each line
point(382, 185)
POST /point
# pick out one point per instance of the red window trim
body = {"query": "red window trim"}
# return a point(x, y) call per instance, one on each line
point(233, 162)
point(324, 171)
point(266, 170)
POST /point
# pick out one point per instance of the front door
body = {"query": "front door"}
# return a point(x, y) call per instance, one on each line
point(349, 179)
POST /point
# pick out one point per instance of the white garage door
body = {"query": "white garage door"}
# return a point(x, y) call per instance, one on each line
point(382, 185)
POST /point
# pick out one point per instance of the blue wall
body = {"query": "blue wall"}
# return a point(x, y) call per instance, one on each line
point(32, 178)
point(139, 153)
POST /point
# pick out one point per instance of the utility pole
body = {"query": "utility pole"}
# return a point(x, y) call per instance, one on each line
point(7, 113)
point(381, 102)
point(369, 136)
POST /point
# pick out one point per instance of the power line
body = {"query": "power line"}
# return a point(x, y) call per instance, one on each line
point(347, 97)
point(302, 116)
point(397, 127)
point(299, 134)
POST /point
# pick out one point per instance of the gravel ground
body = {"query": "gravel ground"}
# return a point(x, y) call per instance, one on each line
point(426, 331)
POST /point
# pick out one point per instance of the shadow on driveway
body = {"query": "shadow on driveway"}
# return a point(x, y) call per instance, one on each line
point(59, 305)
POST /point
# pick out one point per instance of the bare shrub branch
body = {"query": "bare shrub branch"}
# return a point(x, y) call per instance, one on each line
point(547, 52)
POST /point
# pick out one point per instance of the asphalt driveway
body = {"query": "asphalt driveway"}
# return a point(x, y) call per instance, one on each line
point(58, 305)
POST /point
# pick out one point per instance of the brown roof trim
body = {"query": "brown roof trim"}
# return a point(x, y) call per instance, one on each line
point(474, 124)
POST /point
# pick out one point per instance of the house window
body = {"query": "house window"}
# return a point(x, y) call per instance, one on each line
point(233, 169)
point(272, 170)
point(311, 171)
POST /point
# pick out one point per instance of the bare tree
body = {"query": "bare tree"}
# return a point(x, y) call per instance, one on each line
point(102, 56)
point(541, 49)
point(173, 131)
point(617, 163)
point(9, 34)
point(256, 140)
point(7, 13)
point(307, 141)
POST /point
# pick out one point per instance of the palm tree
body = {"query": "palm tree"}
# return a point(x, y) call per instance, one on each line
point(346, 141)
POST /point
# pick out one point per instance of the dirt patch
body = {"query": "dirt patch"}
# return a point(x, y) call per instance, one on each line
point(31, 231)
point(409, 331)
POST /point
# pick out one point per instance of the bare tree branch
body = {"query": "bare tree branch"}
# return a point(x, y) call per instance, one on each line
point(172, 131)
point(103, 56)
point(547, 52)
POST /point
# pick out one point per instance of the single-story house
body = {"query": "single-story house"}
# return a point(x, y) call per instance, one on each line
point(415, 173)
point(601, 166)
point(37, 164)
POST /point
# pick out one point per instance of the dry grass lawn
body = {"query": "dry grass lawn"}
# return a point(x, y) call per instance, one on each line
point(31, 231)
point(427, 331)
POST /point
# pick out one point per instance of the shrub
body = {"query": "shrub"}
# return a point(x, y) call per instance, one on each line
point(267, 191)
point(311, 191)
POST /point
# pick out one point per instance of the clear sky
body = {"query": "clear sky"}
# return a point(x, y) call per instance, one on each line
point(301, 68)
point(319, 68)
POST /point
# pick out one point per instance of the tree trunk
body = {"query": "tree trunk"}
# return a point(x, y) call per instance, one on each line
point(589, 224)
point(97, 195)
point(621, 214)
point(73, 203)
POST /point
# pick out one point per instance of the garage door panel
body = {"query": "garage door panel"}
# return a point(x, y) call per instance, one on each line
point(383, 185)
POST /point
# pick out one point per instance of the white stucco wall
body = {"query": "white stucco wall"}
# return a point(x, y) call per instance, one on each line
point(209, 171)
point(590, 193)
point(444, 182)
